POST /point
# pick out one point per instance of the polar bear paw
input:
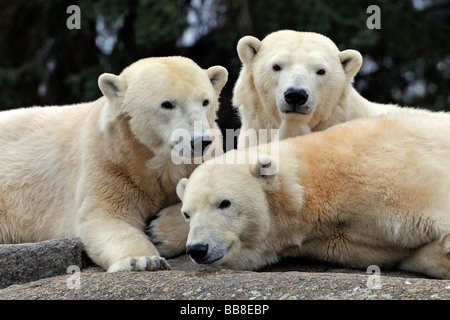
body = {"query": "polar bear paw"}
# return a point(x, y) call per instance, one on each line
point(168, 232)
point(446, 245)
point(140, 264)
point(446, 260)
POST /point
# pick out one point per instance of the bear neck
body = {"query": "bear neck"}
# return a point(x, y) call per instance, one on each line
point(351, 105)
point(120, 151)
point(356, 106)
point(122, 148)
point(285, 197)
point(325, 182)
point(306, 202)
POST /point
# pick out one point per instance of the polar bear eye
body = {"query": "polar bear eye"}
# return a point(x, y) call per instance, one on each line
point(276, 67)
point(167, 105)
point(205, 102)
point(186, 215)
point(224, 204)
point(321, 72)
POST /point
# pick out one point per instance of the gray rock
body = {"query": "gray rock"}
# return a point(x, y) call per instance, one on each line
point(20, 263)
point(226, 284)
point(293, 279)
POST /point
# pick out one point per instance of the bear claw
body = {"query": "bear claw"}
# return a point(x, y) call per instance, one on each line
point(140, 264)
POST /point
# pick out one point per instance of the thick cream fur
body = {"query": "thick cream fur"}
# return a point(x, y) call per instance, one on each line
point(98, 170)
point(332, 98)
point(372, 191)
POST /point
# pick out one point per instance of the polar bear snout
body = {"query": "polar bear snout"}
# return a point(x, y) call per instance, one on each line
point(295, 100)
point(197, 251)
point(206, 253)
point(295, 97)
point(199, 144)
point(191, 146)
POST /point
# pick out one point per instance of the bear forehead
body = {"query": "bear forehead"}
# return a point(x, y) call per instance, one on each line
point(163, 81)
point(298, 41)
point(213, 176)
point(303, 57)
point(174, 62)
point(165, 69)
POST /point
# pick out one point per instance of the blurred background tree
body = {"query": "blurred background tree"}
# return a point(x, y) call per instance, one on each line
point(42, 62)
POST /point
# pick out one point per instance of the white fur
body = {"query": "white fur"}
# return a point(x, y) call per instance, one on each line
point(371, 191)
point(259, 90)
point(98, 170)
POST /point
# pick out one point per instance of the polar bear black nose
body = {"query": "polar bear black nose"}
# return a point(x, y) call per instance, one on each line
point(295, 97)
point(197, 251)
point(198, 146)
point(205, 144)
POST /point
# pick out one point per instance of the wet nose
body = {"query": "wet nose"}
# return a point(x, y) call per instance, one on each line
point(199, 145)
point(204, 144)
point(197, 251)
point(295, 97)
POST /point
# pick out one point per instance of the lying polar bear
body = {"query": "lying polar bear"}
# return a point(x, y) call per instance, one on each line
point(373, 191)
point(297, 82)
point(99, 170)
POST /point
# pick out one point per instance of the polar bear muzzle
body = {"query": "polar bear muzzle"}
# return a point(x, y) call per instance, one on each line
point(192, 146)
point(204, 253)
point(295, 99)
point(199, 145)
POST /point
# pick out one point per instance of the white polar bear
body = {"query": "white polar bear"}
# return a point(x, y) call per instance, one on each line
point(297, 82)
point(98, 170)
point(374, 191)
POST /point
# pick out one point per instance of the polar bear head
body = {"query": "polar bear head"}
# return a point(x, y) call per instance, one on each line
point(232, 210)
point(296, 75)
point(164, 100)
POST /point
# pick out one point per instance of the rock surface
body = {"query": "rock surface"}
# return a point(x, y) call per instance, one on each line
point(291, 280)
point(27, 262)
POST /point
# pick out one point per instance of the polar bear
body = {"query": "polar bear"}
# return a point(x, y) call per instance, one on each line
point(374, 191)
point(99, 170)
point(296, 82)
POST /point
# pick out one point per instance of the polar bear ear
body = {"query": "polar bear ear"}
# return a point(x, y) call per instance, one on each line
point(218, 76)
point(351, 61)
point(181, 187)
point(265, 167)
point(112, 86)
point(247, 48)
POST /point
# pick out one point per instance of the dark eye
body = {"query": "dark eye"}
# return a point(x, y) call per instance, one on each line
point(167, 105)
point(321, 72)
point(205, 102)
point(224, 204)
point(186, 216)
point(276, 67)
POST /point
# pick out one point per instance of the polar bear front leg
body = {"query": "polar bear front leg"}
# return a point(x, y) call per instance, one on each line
point(432, 259)
point(116, 245)
point(169, 231)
